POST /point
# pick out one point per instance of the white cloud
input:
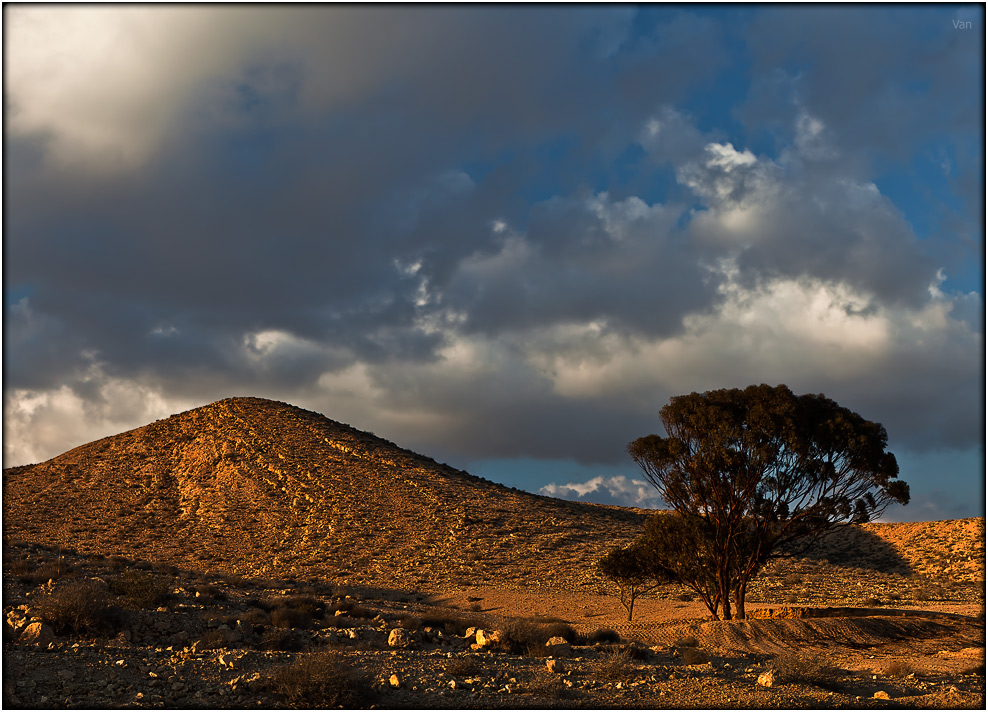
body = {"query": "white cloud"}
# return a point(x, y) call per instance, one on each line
point(41, 423)
point(618, 490)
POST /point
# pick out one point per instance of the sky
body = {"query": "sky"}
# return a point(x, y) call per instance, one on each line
point(499, 236)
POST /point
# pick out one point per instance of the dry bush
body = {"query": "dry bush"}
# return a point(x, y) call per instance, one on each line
point(897, 668)
point(603, 635)
point(284, 617)
point(207, 593)
point(549, 685)
point(687, 642)
point(281, 639)
point(142, 590)
point(793, 667)
point(693, 656)
point(310, 605)
point(323, 679)
point(453, 623)
point(256, 616)
point(616, 664)
point(464, 666)
point(80, 607)
point(528, 636)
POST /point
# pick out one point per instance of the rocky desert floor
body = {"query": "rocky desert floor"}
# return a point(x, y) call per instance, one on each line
point(96, 631)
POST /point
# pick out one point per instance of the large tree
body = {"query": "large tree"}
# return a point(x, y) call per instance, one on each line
point(747, 471)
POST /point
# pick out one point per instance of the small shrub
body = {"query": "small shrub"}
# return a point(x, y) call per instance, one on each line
point(693, 656)
point(528, 636)
point(80, 607)
point(615, 664)
point(897, 668)
point(207, 593)
point(462, 667)
point(311, 606)
point(142, 590)
point(452, 623)
point(871, 602)
point(686, 597)
point(256, 616)
point(687, 642)
point(410, 622)
point(284, 617)
point(604, 635)
point(323, 679)
point(802, 668)
point(118, 563)
point(281, 639)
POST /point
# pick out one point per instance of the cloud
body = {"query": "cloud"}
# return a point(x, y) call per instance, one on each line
point(619, 490)
point(485, 232)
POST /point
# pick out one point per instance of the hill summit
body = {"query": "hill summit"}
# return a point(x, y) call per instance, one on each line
point(258, 487)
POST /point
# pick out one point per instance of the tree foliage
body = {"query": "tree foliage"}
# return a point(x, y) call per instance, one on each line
point(747, 471)
point(629, 568)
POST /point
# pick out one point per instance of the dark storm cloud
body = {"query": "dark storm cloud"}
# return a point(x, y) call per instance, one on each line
point(445, 224)
point(267, 208)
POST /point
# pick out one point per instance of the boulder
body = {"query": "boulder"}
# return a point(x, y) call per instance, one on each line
point(488, 637)
point(400, 638)
point(558, 647)
point(767, 679)
point(555, 665)
point(394, 681)
point(37, 633)
point(881, 695)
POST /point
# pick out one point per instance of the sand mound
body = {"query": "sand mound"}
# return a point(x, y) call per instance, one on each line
point(779, 636)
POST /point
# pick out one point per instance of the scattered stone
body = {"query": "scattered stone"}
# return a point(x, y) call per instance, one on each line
point(767, 679)
point(394, 681)
point(881, 695)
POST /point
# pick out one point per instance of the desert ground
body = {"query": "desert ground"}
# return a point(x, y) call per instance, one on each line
point(249, 554)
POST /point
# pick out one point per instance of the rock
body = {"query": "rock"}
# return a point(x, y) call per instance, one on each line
point(400, 638)
point(881, 695)
point(488, 637)
point(394, 681)
point(66, 674)
point(37, 633)
point(558, 647)
point(471, 632)
point(555, 665)
point(767, 679)
point(227, 660)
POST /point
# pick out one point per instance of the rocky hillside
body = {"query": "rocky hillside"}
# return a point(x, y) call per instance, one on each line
point(256, 487)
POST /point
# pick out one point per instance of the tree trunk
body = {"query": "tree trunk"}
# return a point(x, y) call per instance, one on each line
point(739, 600)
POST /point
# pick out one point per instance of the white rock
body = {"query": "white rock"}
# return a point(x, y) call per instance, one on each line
point(767, 679)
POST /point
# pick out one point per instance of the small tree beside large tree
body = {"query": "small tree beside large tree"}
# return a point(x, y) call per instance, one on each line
point(748, 471)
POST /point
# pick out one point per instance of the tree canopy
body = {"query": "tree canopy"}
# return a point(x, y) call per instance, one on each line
point(747, 471)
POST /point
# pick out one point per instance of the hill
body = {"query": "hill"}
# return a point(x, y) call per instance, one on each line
point(260, 488)
point(264, 489)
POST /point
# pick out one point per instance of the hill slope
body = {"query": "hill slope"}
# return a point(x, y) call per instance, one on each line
point(257, 487)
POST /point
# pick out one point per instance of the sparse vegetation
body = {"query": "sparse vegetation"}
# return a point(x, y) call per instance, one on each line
point(141, 590)
point(805, 668)
point(82, 607)
point(324, 679)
